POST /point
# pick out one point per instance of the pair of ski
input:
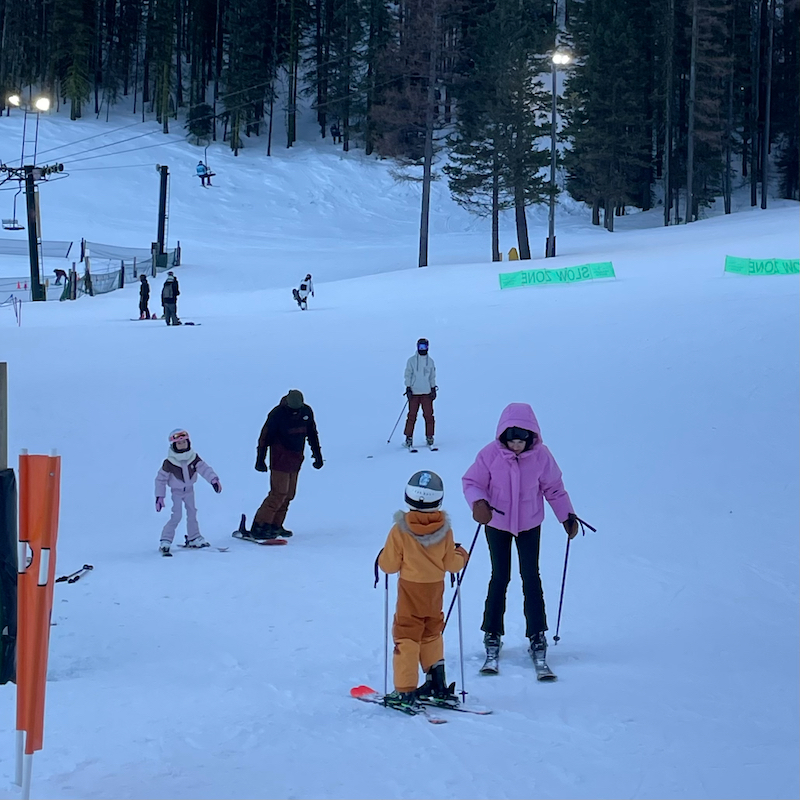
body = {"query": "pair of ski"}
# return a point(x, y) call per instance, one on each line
point(543, 673)
point(424, 707)
point(211, 548)
point(416, 449)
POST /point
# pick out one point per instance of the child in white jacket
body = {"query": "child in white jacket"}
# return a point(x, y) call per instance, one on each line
point(179, 472)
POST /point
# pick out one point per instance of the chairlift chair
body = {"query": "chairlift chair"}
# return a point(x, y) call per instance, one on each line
point(12, 223)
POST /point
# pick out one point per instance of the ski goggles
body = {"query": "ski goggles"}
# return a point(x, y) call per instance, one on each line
point(422, 346)
point(519, 433)
point(178, 436)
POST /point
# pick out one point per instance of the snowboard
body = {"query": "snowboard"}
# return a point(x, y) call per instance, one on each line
point(242, 533)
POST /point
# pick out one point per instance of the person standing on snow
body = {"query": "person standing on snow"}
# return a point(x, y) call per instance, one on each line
point(420, 547)
point(285, 432)
point(420, 377)
point(179, 472)
point(144, 297)
point(512, 476)
point(301, 295)
point(169, 299)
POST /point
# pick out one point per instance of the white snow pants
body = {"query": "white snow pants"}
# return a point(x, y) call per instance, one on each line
point(182, 497)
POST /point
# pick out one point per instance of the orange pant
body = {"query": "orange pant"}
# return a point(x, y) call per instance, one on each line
point(417, 631)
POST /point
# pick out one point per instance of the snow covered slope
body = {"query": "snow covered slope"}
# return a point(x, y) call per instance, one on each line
point(669, 397)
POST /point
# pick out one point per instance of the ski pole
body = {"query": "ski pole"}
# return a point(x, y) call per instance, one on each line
point(74, 576)
point(461, 576)
point(386, 637)
point(582, 523)
point(81, 573)
point(385, 624)
point(398, 421)
point(463, 691)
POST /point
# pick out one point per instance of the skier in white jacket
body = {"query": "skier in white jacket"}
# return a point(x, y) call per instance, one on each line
point(420, 379)
point(179, 473)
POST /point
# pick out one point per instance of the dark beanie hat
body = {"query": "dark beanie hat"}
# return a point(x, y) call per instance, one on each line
point(294, 399)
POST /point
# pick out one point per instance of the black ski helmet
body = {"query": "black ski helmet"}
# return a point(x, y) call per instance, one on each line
point(422, 345)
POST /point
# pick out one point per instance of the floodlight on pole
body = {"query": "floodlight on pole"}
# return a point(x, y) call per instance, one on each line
point(42, 104)
point(14, 99)
point(558, 59)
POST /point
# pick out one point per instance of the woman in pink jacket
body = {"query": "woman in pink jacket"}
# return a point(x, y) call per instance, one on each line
point(506, 488)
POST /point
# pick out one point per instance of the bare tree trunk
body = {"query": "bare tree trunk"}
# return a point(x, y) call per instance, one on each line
point(178, 51)
point(727, 180)
point(495, 203)
point(690, 133)
point(608, 215)
point(667, 114)
point(755, 79)
point(291, 127)
point(767, 104)
point(521, 221)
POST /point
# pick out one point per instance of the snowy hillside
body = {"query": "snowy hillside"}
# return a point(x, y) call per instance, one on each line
point(669, 397)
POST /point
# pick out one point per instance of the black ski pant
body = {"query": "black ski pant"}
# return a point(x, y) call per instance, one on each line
point(500, 552)
point(143, 303)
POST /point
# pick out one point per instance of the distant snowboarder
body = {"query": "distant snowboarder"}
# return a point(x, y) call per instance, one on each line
point(60, 273)
point(301, 295)
point(284, 434)
point(179, 472)
point(144, 297)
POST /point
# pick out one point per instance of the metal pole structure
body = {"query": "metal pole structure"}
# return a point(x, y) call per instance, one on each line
point(3, 415)
point(550, 248)
point(162, 209)
point(428, 149)
point(37, 290)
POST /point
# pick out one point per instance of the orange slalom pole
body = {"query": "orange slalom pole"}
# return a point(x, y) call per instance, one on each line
point(39, 501)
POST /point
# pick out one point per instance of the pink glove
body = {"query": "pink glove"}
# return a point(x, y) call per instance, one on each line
point(159, 503)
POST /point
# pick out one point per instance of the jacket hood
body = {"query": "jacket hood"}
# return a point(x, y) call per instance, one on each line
point(427, 528)
point(179, 459)
point(518, 415)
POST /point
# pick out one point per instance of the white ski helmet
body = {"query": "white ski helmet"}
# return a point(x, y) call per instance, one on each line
point(425, 491)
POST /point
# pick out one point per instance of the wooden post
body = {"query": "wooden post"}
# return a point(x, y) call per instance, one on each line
point(3, 415)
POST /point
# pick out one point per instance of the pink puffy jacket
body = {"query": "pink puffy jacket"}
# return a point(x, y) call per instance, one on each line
point(517, 485)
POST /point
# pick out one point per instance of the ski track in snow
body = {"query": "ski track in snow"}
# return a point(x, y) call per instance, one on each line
point(669, 397)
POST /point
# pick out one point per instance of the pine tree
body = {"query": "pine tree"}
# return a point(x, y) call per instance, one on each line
point(73, 34)
point(497, 161)
point(606, 100)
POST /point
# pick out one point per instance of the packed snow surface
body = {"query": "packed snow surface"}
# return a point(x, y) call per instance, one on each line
point(669, 397)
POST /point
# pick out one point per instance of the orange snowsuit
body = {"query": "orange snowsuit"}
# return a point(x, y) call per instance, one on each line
point(420, 547)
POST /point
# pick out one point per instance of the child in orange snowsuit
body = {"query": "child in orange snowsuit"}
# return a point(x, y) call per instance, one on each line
point(420, 547)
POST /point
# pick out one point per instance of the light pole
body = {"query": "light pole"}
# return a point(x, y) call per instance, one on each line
point(31, 174)
point(558, 58)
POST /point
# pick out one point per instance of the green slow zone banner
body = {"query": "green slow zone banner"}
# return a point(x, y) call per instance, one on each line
point(540, 277)
point(770, 266)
